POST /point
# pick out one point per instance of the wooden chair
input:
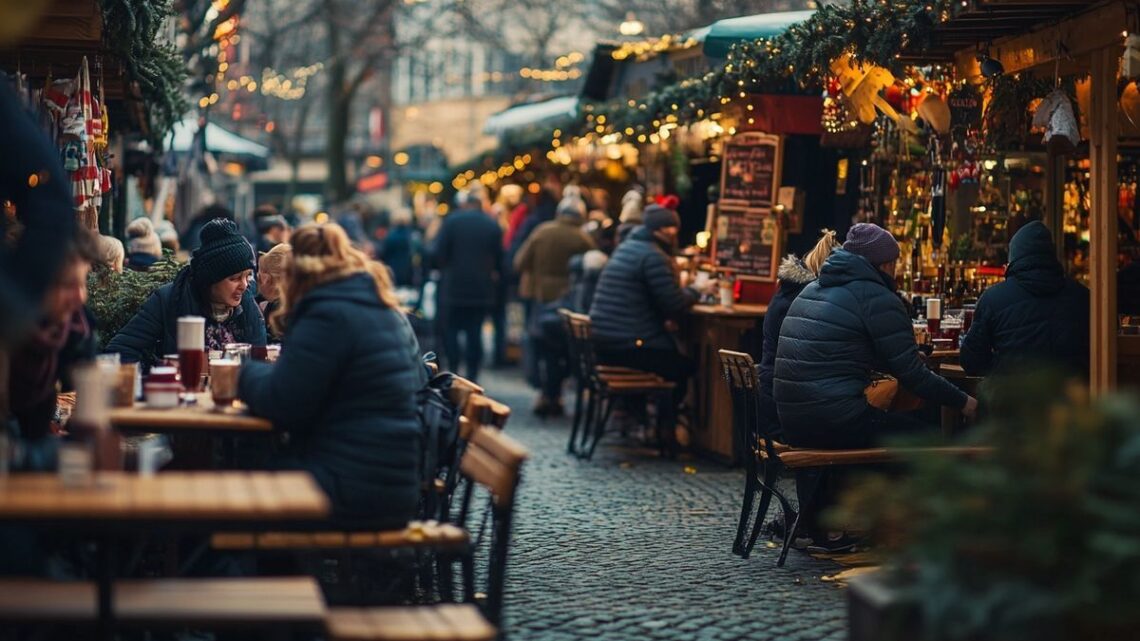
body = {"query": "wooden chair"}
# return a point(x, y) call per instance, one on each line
point(493, 461)
point(600, 385)
point(776, 457)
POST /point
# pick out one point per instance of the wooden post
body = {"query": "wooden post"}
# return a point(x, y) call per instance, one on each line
point(1055, 203)
point(1103, 127)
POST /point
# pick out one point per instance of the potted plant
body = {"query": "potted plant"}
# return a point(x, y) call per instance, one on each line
point(1039, 540)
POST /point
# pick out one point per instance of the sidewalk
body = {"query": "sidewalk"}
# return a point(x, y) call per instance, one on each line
point(629, 546)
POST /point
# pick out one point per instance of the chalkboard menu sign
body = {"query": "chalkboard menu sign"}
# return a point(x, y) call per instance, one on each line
point(750, 172)
point(747, 243)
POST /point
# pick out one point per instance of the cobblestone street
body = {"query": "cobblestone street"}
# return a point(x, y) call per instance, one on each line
point(630, 546)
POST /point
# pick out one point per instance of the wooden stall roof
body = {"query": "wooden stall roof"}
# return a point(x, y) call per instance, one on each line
point(983, 21)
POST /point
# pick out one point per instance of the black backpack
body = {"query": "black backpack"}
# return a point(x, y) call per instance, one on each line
point(439, 435)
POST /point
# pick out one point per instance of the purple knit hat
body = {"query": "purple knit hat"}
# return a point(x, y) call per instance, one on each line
point(872, 242)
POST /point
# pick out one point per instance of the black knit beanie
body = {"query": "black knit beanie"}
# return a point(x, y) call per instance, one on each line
point(657, 217)
point(223, 253)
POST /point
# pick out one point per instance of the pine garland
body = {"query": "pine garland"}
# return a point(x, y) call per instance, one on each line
point(131, 31)
point(797, 60)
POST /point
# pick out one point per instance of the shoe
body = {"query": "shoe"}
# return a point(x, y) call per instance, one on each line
point(835, 544)
point(775, 530)
point(541, 407)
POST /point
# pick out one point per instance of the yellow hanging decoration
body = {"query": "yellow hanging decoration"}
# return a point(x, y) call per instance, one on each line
point(862, 84)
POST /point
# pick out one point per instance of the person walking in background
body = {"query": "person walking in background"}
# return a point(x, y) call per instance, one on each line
point(215, 285)
point(542, 264)
point(469, 253)
point(272, 231)
point(191, 238)
point(1037, 316)
point(631, 206)
point(344, 388)
point(144, 247)
point(400, 250)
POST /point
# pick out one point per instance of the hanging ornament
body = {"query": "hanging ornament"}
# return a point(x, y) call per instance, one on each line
point(862, 85)
point(836, 117)
point(934, 110)
point(1055, 115)
point(1130, 62)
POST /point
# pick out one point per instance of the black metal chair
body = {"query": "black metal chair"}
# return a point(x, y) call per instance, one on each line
point(598, 387)
point(776, 457)
point(751, 433)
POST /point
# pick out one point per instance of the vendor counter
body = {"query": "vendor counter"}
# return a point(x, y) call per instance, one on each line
point(711, 328)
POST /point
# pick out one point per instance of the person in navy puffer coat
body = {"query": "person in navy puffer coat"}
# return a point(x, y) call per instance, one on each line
point(840, 328)
point(344, 387)
point(637, 293)
point(1037, 316)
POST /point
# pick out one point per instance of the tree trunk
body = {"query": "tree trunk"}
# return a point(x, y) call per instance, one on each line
point(293, 153)
point(336, 185)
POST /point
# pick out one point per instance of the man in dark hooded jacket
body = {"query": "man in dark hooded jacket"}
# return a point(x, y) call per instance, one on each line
point(840, 329)
point(1036, 316)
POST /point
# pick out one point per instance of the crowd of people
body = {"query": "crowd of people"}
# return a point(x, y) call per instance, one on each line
point(351, 357)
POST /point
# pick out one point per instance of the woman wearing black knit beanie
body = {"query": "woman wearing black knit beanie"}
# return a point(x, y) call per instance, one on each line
point(215, 285)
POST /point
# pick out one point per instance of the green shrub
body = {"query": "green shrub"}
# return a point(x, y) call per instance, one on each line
point(1040, 540)
point(114, 298)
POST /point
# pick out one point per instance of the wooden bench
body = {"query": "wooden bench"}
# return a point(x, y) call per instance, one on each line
point(417, 535)
point(444, 622)
point(192, 602)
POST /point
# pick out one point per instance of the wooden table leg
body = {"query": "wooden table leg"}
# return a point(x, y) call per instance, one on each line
point(105, 581)
point(951, 419)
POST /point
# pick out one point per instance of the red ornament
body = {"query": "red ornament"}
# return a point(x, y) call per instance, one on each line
point(895, 96)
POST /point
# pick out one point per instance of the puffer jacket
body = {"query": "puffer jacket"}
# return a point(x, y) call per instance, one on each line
point(344, 389)
point(1037, 315)
point(637, 292)
point(542, 261)
point(793, 276)
point(840, 328)
point(153, 331)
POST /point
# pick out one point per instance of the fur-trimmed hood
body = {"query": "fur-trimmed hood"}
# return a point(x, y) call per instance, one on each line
point(793, 270)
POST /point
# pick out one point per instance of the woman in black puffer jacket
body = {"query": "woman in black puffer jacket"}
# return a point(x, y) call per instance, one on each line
point(345, 385)
point(794, 275)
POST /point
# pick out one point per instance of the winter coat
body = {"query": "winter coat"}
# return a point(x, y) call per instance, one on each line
point(543, 260)
point(794, 276)
point(637, 292)
point(398, 253)
point(469, 251)
point(153, 331)
point(1037, 314)
point(344, 389)
point(840, 328)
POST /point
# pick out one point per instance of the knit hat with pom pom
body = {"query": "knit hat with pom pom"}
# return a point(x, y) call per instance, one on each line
point(223, 253)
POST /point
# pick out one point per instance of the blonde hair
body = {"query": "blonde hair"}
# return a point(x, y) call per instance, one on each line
point(271, 268)
point(815, 258)
point(111, 252)
point(323, 254)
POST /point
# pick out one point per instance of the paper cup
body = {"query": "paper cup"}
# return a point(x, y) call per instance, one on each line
point(191, 333)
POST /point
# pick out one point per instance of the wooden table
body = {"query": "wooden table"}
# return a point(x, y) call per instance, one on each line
point(203, 417)
point(952, 416)
point(712, 328)
point(116, 497)
point(125, 502)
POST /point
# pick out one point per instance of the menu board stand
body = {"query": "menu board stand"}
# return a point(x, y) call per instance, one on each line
point(746, 235)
